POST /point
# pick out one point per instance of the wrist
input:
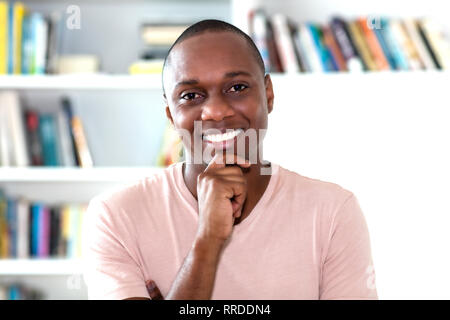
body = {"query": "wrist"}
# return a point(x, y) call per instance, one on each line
point(204, 247)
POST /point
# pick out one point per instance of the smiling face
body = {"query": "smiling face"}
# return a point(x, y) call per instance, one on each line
point(213, 79)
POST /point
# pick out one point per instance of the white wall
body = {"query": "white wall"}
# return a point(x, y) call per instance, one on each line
point(385, 137)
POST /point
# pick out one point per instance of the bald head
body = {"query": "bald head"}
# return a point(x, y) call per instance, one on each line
point(212, 26)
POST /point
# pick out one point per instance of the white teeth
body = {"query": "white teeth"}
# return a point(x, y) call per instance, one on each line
point(222, 137)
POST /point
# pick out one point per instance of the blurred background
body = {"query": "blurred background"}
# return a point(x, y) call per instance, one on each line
point(361, 99)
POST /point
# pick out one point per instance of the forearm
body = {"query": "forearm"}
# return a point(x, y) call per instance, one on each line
point(195, 279)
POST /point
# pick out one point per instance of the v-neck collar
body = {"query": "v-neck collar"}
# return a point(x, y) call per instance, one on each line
point(263, 201)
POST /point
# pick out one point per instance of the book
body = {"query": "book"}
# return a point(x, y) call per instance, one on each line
point(11, 220)
point(36, 210)
point(433, 33)
point(259, 34)
point(384, 46)
point(33, 138)
point(284, 44)
point(6, 147)
point(336, 54)
point(301, 52)
point(4, 238)
point(27, 45)
point(43, 232)
point(344, 41)
point(82, 152)
point(55, 231)
point(48, 134)
point(412, 30)
point(396, 51)
point(307, 44)
point(67, 155)
point(19, 12)
point(23, 225)
point(373, 45)
point(39, 35)
point(361, 45)
point(322, 51)
point(10, 101)
point(4, 35)
point(400, 38)
point(162, 34)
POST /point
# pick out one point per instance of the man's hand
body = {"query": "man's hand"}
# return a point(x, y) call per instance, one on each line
point(153, 290)
point(221, 192)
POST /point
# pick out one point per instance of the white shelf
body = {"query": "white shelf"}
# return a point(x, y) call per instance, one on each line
point(105, 174)
point(40, 266)
point(153, 81)
point(81, 82)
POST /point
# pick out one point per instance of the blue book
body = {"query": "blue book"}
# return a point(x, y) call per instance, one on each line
point(322, 50)
point(393, 46)
point(14, 292)
point(384, 45)
point(27, 45)
point(48, 134)
point(35, 213)
point(12, 227)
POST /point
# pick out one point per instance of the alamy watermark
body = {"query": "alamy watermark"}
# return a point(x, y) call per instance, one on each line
point(73, 21)
point(202, 145)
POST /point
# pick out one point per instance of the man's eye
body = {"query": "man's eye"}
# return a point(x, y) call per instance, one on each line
point(190, 96)
point(238, 87)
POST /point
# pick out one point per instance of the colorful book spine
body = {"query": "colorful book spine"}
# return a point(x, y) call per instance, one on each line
point(344, 41)
point(260, 37)
point(34, 238)
point(361, 45)
point(43, 232)
point(39, 35)
point(12, 227)
point(48, 134)
point(4, 246)
point(401, 61)
point(284, 43)
point(4, 35)
point(322, 51)
point(33, 138)
point(373, 45)
point(18, 15)
point(27, 45)
point(23, 234)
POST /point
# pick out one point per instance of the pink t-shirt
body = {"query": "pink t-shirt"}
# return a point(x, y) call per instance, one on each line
point(305, 239)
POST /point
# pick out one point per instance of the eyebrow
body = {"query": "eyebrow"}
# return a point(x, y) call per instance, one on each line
point(230, 74)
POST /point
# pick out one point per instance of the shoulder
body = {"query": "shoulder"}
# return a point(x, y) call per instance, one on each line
point(131, 198)
point(312, 189)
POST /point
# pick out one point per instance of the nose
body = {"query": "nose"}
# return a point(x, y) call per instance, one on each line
point(216, 108)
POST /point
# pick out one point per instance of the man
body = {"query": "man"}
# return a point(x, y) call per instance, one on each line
point(230, 226)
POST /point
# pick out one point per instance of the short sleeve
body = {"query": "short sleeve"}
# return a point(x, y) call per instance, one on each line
point(348, 271)
point(109, 270)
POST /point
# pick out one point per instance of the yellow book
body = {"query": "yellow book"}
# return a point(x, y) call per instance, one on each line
point(19, 13)
point(4, 245)
point(361, 45)
point(65, 230)
point(3, 37)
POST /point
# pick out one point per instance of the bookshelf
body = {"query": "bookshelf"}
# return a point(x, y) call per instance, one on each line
point(69, 175)
point(40, 267)
point(343, 109)
point(81, 82)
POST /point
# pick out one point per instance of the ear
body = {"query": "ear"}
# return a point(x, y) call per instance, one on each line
point(269, 92)
point(169, 115)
